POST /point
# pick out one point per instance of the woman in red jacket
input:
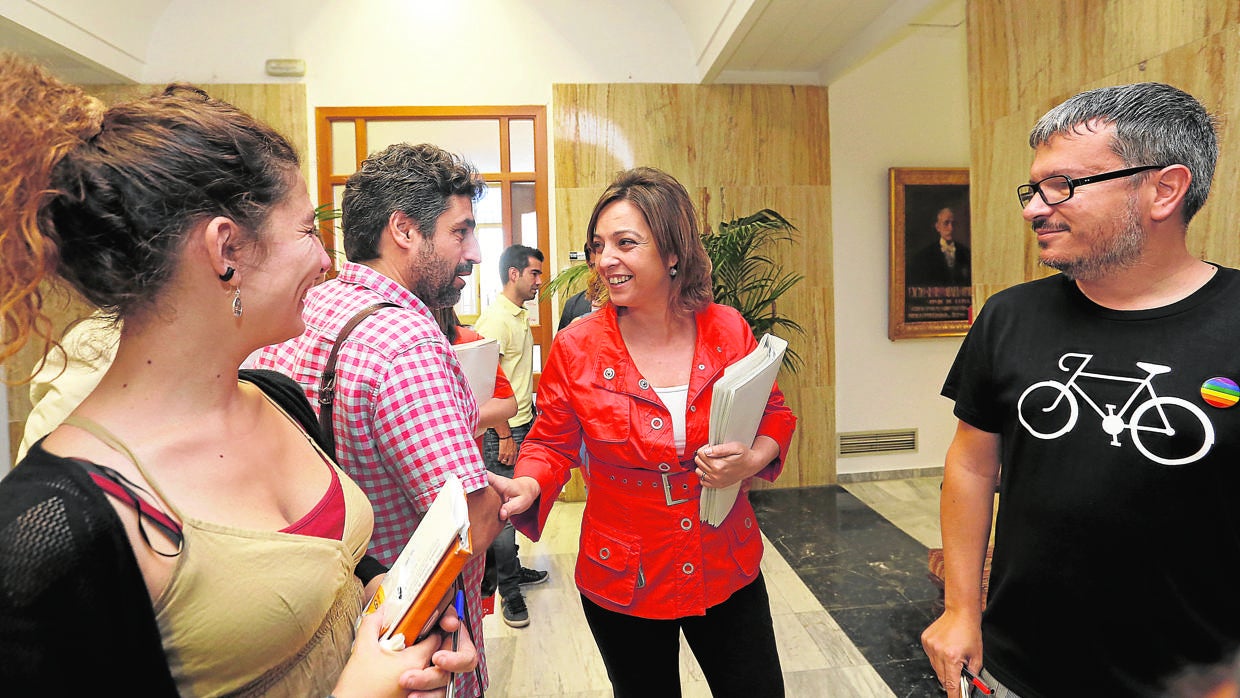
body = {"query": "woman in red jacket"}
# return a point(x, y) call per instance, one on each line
point(633, 382)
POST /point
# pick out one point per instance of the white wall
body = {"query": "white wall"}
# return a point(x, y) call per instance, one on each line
point(905, 107)
point(398, 52)
point(404, 53)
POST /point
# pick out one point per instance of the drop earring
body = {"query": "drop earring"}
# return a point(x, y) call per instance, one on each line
point(673, 272)
point(236, 302)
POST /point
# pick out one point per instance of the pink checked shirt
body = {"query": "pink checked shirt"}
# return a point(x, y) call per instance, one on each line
point(404, 413)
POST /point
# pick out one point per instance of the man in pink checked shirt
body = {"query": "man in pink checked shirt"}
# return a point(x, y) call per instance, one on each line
point(404, 415)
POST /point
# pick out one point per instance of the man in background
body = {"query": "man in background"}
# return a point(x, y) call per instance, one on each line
point(1107, 392)
point(580, 303)
point(508, 323)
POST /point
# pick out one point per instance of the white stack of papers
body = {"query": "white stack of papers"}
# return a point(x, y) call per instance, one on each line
point(737, 404)
point(478, 360)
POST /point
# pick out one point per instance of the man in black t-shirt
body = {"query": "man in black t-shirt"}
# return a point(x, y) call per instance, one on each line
point(1109, 394)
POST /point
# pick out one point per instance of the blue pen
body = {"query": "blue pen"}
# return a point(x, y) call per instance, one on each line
point(459, 605)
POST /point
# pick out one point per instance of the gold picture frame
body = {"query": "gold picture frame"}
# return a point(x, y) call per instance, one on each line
point(931, 288)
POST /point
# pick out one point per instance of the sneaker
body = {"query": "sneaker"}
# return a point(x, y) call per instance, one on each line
point(516, 615)
point(528, 577)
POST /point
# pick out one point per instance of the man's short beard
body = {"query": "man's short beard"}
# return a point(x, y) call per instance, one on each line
point(431, 286)
point(436, 298)
point(1123, 252)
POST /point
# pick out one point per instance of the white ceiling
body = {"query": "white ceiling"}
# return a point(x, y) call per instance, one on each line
point(816, 41)
point(67, 64)
point(739, 41)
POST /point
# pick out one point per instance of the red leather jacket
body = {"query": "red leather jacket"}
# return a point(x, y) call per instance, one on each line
point(644, 551)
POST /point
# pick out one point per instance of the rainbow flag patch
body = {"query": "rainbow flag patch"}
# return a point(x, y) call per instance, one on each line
point(1220, 392)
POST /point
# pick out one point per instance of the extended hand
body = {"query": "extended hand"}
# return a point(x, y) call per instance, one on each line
point(518, 494)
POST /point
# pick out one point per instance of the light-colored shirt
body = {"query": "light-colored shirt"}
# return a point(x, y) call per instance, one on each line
point(68, 375)
point(675, 399)
point(509, 325)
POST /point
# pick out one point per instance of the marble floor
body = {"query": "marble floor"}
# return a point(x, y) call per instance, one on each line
point(845, 569)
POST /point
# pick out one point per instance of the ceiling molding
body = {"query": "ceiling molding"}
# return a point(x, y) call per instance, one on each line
point(892, 24)
point(68, 48)
point(733, 26)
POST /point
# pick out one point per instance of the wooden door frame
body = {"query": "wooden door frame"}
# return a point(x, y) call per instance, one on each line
point(324, 117)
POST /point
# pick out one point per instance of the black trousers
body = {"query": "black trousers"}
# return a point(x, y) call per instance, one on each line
point(734, 643)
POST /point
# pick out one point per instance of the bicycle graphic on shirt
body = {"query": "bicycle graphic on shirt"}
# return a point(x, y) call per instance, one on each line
point(1155, 415)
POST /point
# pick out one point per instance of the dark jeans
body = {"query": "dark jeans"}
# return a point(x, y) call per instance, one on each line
point(503, 566)
point(734, 643)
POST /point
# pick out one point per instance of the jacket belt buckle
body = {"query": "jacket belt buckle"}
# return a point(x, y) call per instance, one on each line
point(667, 492)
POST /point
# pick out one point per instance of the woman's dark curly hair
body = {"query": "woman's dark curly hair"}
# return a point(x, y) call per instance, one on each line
point(104, 199)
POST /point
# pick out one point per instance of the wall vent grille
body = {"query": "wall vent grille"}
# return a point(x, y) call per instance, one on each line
point(870, 443)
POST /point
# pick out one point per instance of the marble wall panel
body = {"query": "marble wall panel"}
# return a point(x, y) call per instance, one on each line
point(1025, 59)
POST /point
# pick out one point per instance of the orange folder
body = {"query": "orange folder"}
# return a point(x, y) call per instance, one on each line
point(419, 586)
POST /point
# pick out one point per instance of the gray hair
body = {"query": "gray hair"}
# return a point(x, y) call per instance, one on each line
point(1155, 124)
point(417, 180)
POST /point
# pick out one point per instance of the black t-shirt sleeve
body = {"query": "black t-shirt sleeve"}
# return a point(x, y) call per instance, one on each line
point(970, 380)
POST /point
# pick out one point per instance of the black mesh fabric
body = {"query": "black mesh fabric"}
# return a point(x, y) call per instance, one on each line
point(75, 616)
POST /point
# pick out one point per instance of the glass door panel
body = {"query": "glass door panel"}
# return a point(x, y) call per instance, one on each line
point(508, 147)
point(334, 242)
point(524, 215)
point(475, 140)
point(521, 145)
point(344, 148)
point(489, 213)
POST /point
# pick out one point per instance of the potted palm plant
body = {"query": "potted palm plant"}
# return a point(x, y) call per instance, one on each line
point(745, 276)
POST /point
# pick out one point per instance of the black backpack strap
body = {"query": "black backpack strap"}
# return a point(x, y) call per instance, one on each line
point(290, 396)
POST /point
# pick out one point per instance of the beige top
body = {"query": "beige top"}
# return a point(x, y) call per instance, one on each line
point(259, 612)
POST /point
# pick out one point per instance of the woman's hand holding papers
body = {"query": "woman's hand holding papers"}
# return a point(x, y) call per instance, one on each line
point(728, 463)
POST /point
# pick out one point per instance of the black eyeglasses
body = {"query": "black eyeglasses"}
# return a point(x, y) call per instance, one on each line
point(1057, 189)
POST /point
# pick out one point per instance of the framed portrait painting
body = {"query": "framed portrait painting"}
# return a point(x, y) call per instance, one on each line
point(931, 263)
